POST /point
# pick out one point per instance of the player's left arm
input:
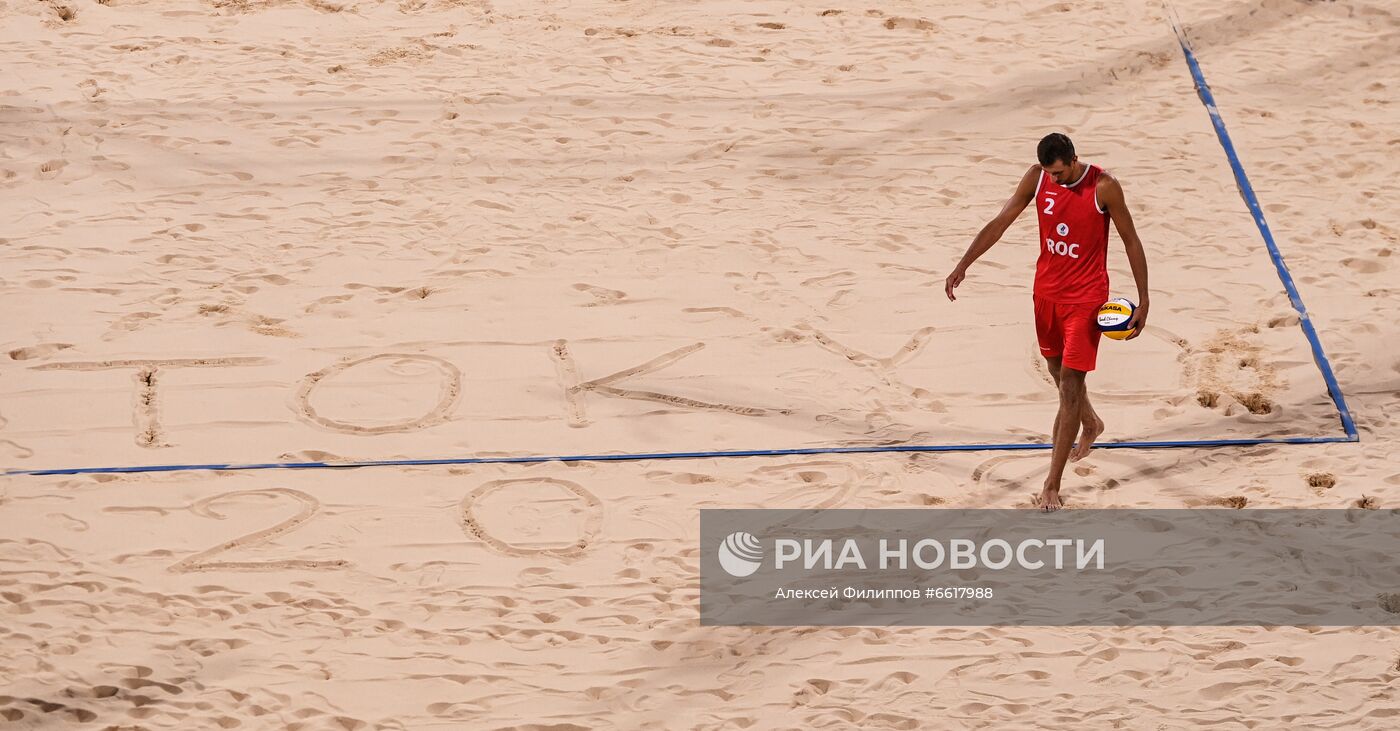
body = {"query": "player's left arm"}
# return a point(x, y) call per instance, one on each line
point(1110, 195)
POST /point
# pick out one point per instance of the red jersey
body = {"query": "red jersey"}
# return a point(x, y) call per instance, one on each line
point(1073, 263)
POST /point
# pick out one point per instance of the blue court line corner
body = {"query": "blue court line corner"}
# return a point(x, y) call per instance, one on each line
point(1257, 212)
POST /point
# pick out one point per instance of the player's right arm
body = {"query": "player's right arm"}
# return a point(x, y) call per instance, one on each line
point(991, 233)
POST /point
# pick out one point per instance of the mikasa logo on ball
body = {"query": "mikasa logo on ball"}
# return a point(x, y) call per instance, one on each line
point(740, 554)
point(1114, 317)
point(1062, 229)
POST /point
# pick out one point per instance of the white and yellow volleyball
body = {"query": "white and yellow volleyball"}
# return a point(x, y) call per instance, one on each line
point(1114, 316)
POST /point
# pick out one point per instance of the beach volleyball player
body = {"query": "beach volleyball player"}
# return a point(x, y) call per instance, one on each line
point(1074, 202)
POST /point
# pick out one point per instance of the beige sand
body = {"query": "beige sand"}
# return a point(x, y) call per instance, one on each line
point(431, 228)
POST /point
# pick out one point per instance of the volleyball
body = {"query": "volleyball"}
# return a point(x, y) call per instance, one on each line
point(1114, 316)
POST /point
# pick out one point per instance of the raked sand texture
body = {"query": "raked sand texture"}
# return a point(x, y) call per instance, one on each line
point(263, 231)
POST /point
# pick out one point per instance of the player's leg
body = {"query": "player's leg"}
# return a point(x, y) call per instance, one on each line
point(1067, 425)
point(1053, 364)
point(1081, 354)
point(1049, 332)
point(1091, 426)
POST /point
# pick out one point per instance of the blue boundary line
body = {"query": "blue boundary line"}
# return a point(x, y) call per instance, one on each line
point(1246, 192)
point(623, 457)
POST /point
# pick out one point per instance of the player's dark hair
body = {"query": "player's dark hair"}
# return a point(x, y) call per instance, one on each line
point(1055, 146)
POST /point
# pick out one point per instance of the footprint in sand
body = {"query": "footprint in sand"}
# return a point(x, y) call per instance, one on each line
point(909, 24)
point(42, 350)
point(320, 302)
point(1230, 371)
point(1321, 482)
point(1084, 484)
point(1363, 265)
point(1233, 502)
point(815, 484)
point(844, 278)
point(189, 260)
point(493, 204)
point(723, 312)
point(129, 323)
point(601, 295)
point(313, 455)
point(51, 169)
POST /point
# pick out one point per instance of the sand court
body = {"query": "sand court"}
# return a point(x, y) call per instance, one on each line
point(323, 231)
point(342, 220)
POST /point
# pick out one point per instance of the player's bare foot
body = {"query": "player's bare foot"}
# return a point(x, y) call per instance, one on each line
point(1092, 430)
point(1049, 499)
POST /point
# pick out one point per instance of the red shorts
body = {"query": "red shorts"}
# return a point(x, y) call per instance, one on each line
point(1070, 331)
